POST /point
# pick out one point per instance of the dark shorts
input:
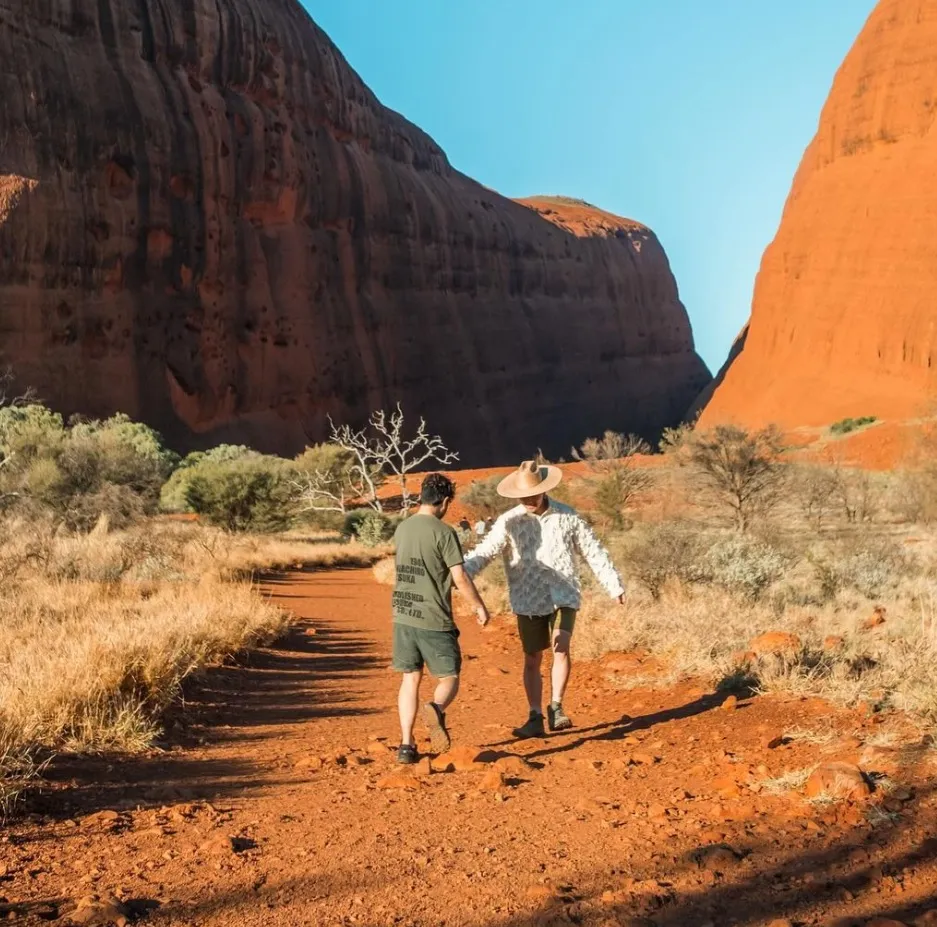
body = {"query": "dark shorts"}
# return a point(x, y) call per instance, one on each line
point(438, 651)
point(536, 631)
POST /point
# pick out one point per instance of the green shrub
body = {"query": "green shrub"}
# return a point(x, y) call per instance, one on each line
point(81, 471)
point(173, 496)
point(845, 425)
point(375, 529)
point(368, 526)
point(242, 495)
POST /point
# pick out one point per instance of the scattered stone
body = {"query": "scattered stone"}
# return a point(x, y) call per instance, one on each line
point(493, 781)
point(781, 922)
point(540, 892)
point(880, 759)
point(644, 759)
point(720, 858)
point(225, 845)
point(100, 912)
point(459, 759)
point(876, 619)
point(884, 922)
point(309, 762)
point(775, 741)
point(422, 768)
point(834, 642)
point(513, 766)
point(399, 781)
point(107, 819)
point(775, 642)
point(730, 704)
point(377, 748)
point(838, 780)
point(743, 658)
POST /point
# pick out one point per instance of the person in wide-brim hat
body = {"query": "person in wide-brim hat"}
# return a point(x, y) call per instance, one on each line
point(539, 539)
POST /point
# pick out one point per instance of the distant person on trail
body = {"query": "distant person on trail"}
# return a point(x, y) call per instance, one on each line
point(538, 539)
point(429, 560)
point(481, 527)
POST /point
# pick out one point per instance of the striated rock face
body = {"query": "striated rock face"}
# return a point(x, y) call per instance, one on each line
point(209, 222)
point(844, 320)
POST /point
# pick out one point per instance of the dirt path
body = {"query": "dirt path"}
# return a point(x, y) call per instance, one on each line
point(269, 807)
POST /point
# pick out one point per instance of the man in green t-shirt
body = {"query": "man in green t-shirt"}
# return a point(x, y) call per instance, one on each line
point(429, 561)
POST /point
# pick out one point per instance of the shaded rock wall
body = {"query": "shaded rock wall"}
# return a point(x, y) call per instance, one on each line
point(213, 225)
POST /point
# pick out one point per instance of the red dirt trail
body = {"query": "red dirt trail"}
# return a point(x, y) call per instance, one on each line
point(267, 807)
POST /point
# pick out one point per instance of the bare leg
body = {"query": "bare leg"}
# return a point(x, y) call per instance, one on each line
point(533, 683)
point(562, 664)
point(447, 689)
point(407, 704)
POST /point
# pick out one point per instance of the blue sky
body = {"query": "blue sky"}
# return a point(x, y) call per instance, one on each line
point(689, 116)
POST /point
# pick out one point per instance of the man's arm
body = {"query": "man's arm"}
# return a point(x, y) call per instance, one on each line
point(595, 554)
point(485, 552)
point(465, 585)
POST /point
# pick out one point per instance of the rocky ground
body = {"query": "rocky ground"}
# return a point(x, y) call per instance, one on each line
point(276, 800)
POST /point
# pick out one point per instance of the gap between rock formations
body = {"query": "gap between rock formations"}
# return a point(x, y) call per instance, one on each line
point(278, 802)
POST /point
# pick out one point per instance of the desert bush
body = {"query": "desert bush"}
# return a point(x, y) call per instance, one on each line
point(816, 492)
point(869, 565)
point(914, 495)
point(667, 551)
point(846, 425)
point(612, 446)
point(743, 565)
point(616, 489)
point(859, 494)
point(481, 496)
point(250, 494)
point(738, 474)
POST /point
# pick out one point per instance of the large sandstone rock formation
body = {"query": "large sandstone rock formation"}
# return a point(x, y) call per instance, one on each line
point(209, 222)
point(844, 320)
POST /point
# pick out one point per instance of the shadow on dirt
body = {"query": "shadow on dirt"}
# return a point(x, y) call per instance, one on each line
point(296, 679)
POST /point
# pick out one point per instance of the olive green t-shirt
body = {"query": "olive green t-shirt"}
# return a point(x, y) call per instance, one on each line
point(427, 550)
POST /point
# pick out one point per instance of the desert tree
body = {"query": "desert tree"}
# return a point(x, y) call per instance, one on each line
point(736, 472)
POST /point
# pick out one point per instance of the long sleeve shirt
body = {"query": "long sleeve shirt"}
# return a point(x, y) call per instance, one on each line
point(538, 553)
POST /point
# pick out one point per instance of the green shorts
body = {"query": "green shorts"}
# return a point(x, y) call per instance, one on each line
point(536, 631)
point(438, 651)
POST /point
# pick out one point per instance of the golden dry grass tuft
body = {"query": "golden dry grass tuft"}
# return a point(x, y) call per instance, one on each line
point(99, 631)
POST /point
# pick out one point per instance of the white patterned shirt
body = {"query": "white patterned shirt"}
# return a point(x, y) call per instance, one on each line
point(538, 558)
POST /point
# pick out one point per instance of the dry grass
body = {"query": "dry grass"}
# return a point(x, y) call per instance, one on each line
point(99, 631)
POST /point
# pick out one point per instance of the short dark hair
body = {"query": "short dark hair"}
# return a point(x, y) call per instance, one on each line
point(436, 489)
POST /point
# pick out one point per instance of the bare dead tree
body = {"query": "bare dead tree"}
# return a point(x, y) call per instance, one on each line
point(383, 448)
point(401, 455)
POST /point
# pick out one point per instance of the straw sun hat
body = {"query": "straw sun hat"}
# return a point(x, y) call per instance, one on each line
point(529, 479)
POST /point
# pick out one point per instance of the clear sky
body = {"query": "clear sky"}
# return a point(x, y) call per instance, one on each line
point(688, 115)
